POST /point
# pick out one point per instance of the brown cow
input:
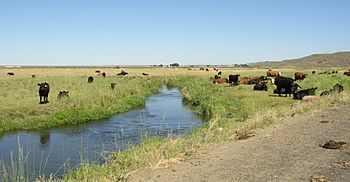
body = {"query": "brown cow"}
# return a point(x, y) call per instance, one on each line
point(347, 73)
point(299, 76)
point(220, 80)
point(252, 80)
point(273, 73)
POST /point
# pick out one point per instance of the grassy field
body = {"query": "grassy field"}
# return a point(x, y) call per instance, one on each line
point(234, 112)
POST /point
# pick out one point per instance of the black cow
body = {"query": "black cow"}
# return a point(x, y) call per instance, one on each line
point(284, 83)
point(337, 88)
point(207, 69)
point(123, 73)
point(104, 74)
point(33, 76)
point(10, 73)
point(90, 79)
point(294, 88)
point(62, 94)
point(313, 72)
point(301, 93)
point(145, 74)
point(260, 86)
point(113, 85)
point(44, 89)
point(233, 79)
point(219, 73)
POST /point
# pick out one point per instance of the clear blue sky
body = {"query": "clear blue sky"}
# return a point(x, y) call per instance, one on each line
point(111, 32)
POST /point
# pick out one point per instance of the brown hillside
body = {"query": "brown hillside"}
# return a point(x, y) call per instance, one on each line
point(339, 59)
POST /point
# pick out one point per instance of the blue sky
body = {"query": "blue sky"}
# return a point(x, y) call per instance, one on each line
point(103, 32)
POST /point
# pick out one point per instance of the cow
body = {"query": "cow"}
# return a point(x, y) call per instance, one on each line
point(207, 69)
point(201, 68)
point(299, 76)
point(113, 85)
point(62, 94)
point(294, 88)
point(337, 88)
point(252, 80)
point(284, 83)
point(220, 73)
point(260, 86)
point(145, 74)
point(123, 73)
point(44, 89)
point(313, 72)
point(273, 73)
point(233, 79)
point(11, 73)
point(347, 73)
point(90, 79)
point(217, 77)
point(220, 80)
point(33, 76)
point(97, 71)
point(104, 74)
point(301, 93)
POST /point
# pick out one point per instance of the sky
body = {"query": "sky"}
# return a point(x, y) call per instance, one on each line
point(147, 32)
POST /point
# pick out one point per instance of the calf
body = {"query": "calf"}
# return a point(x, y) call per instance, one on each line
point(301, 93)
point(62, 94)
point(260, 86)
point(113, 85)
point(233, 79)
point(44, 89)
point(10, 73)
point(284, 83)
point(90, 79)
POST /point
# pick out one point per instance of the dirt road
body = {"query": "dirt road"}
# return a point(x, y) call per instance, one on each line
point(287, 151)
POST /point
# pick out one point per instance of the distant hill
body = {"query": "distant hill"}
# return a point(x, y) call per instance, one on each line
point(338, 59)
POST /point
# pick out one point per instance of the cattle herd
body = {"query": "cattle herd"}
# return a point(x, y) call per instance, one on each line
point(284, 85)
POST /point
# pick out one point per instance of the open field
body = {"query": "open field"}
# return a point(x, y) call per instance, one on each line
point(234, 112)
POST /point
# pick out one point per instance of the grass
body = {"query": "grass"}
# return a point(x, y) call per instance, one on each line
point(233, 112)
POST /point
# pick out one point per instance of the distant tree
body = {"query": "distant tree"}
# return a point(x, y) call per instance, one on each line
point(174, 65)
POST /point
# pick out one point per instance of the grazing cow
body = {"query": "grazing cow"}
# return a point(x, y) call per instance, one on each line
point(220, 80)
point(145, 74)
point(313, 72)
point(97, 71)
point(233, 79)
point(301, 93)
point(284, 83)
point(113, 85)
point(90, 79)
point(337, 88)
point(260, 86)
point(220, 73)
point(44, 89)
point(299, 76)
point(10, 73)
point(273, 73)
point(62, 94)
point(294, 88)
point(347, 73)
point(104, 74)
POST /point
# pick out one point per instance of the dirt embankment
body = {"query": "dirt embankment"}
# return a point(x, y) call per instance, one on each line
point(287, 151)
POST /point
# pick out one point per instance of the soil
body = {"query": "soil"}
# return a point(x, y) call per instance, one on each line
point(287, 151)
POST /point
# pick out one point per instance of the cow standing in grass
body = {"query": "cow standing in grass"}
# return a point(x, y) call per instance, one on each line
point(286, 83)
point(44, 89)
